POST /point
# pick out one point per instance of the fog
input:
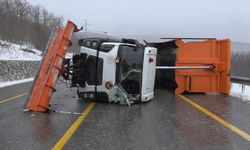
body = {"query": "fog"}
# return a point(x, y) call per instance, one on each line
point(158, 18)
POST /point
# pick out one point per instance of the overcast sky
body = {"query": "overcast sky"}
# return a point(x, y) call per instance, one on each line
point(168, 18)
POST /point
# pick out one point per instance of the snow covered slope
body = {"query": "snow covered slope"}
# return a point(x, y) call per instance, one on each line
point(10, 51)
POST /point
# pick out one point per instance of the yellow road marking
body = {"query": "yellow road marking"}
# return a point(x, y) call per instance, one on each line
point(64, 139)
point(12, 98)
point(218, 119)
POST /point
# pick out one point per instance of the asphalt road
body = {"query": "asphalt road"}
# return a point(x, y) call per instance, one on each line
point(167, 122)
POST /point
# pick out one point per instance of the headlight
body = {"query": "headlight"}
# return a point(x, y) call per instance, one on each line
point(88, 43)
point(94, 44)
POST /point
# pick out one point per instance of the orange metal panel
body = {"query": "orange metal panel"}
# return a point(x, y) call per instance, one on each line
point(210, 52)
point(50, 67)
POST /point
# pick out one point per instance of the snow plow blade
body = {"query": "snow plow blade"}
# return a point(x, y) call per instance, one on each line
point(43, 86)
point(210, 52)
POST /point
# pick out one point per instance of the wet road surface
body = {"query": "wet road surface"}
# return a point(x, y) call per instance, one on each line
point(167, 122)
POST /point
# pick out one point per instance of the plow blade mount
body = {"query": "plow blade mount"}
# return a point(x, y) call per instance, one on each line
point(210, 52)
point(43, 86)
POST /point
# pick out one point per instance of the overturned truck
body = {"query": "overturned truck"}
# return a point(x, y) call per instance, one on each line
point(114, 71)
point(125, 71)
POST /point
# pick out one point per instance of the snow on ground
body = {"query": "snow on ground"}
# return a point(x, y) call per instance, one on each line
point(10, 51)
point(241, 91)
point(9, 83)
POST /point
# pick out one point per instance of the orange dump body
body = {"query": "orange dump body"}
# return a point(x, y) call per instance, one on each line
point(210, 52)
point(50, 67)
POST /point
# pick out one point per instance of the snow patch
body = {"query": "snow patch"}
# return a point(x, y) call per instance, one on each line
point(241, 91)
point(10, 51)
point(9, 83)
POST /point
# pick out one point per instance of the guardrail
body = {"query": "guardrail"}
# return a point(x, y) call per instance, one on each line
point(242, 80)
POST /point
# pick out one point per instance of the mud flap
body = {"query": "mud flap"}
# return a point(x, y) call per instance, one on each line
point(210, 52)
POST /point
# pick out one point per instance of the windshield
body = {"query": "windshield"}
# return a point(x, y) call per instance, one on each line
point(129, 69)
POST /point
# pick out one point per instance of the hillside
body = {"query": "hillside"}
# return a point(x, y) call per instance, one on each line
point(10, 51)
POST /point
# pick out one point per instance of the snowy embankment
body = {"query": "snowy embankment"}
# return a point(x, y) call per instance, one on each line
point(18, 63)
point(10, 51)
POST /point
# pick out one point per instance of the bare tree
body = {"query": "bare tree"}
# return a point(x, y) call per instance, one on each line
point(24, 23)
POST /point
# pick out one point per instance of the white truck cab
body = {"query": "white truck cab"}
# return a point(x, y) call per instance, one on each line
point(114, 71)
